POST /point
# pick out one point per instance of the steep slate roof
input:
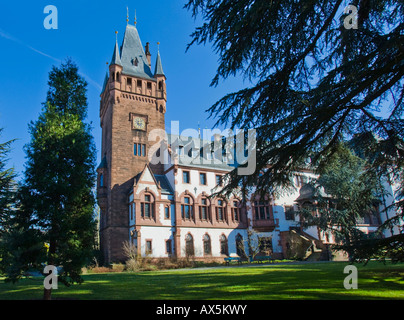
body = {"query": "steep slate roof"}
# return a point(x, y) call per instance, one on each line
point(132, 49)
point(164, 184)
point(158, 70)
point(197, 161)
point(116, 59)
point(105, 82)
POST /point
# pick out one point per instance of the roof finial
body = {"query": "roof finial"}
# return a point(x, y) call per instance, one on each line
point(158, 46)
point(135, 18)
point(116, 36)
point(127, 15)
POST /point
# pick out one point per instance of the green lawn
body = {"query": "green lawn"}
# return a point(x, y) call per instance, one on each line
point(291, 281)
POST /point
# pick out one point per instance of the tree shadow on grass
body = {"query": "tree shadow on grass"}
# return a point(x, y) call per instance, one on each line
point(253, 283)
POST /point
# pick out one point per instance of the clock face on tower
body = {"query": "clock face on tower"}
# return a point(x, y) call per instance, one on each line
point(139, 123)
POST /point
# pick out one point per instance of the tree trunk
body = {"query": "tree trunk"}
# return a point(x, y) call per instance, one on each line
point(47, 294)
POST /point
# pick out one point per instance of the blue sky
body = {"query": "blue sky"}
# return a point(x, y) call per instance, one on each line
point(86, 33)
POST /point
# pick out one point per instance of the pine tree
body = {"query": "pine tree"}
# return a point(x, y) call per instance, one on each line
point(57, 199)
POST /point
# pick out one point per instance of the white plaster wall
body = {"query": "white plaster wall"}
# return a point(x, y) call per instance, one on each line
point(158, 235)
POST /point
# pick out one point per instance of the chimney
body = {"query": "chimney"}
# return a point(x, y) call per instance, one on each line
point(148, 54)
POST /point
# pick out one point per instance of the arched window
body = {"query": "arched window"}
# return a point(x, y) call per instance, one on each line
point(207, 247)
point(147, 207)
point(117, 77)
point(204, 212)
point(221, 210)
point(224, 249)
point(239, 245)
point(187, 208)
point(189, 245)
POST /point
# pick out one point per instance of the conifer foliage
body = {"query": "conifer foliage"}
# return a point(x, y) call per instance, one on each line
point(320, 72)
point(57, 200)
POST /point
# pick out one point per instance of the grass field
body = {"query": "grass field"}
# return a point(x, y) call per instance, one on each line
point(277, 281)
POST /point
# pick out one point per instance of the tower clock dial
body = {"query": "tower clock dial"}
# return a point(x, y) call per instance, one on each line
point(139, 123)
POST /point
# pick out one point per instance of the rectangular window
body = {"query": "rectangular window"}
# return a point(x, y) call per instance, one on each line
point(219, 180)
point(129, 81)
point(139, 83)
point(135, 149)
point(149, 248)
point(202, 179)
point(149, 85)
point(186, 177)
point(186, 209)
point(262, 210)
point(203, 210)
point(139, 149)
point(143, 150)
point(289, 213)
point(167, 212)
point(168, 247)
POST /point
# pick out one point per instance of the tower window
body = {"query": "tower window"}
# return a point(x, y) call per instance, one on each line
point(129, 81)
point(139, 83)
point(101, 180)
point(149, 86)
point(139, 150)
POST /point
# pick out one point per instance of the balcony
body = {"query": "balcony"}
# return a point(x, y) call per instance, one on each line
point(264, 225)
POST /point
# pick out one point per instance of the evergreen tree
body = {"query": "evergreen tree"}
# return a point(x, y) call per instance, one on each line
point(320, 73)
point(345, 194)
point(8, 187)
point(57, 200)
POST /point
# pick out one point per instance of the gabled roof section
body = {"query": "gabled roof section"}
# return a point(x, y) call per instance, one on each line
point(130, 50)
point(161, 181)
point(164, 184)
point(158, 71)
point(116, 57)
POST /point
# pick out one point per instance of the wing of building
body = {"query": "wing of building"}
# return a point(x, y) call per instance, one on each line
point(162, 205)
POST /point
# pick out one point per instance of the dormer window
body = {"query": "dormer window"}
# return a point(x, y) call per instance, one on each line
point(135, 62)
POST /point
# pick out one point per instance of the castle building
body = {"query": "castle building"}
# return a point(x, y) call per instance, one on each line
point(163, 207)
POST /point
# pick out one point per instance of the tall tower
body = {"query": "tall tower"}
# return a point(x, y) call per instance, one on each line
point(133, 103)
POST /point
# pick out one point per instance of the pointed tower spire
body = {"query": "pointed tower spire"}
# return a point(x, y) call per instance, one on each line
point(158, 71)
point(116, 57)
